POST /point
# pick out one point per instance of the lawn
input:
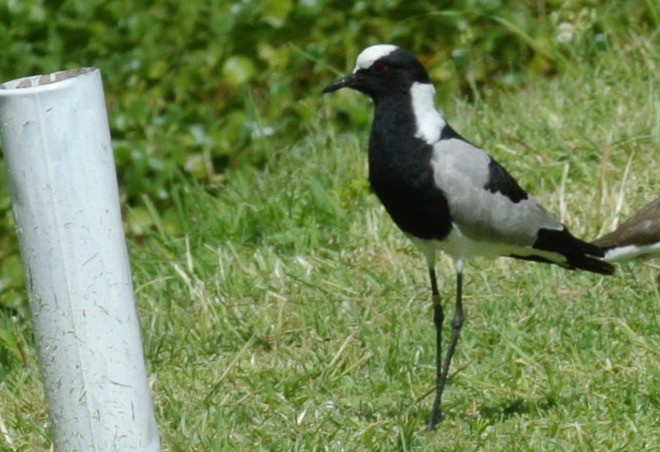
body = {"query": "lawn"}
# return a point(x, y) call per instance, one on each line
point(290, 313)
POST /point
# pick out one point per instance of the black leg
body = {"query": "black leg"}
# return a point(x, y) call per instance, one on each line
point(456, 325)
point(438, 319)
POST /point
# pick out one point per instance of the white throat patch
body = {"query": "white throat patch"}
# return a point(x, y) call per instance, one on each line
point(371, 54)
point(429, 122)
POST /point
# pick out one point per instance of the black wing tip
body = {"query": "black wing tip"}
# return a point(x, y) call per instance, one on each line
point(590, 248)
point(579, 255)
point(591, 264)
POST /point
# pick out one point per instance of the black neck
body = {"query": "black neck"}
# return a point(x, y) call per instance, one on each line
point(400, 172)
point(393, 131)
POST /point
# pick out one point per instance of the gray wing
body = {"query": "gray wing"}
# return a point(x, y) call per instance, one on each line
point(481, 210)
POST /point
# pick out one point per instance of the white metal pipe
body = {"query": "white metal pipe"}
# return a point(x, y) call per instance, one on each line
point(65, 201)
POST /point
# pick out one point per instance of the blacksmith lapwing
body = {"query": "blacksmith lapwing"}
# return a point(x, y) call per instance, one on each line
point(446, 194)
point(637, 237)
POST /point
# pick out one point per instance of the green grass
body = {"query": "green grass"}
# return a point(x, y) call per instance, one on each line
point(295, 316)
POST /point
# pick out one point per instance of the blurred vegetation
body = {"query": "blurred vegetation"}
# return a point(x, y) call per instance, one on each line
point(197, 87)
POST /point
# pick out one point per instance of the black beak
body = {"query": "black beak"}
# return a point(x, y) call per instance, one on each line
point(346, 81)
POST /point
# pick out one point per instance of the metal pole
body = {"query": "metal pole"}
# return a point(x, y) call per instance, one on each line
point(65, 201)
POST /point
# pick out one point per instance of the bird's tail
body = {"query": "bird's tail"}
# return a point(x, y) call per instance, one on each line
point(578, 255)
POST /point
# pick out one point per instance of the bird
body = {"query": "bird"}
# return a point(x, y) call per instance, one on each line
point(637, 237)
point(445, 193)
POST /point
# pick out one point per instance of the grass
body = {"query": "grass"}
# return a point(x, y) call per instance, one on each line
point(293, 315)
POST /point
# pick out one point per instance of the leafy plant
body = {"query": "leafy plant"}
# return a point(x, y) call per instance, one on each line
point(196, 87)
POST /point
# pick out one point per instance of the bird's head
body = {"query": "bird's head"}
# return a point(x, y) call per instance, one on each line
point(382, 70)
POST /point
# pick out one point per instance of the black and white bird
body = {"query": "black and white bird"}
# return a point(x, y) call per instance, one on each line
point(446, 194)
point(637, 237)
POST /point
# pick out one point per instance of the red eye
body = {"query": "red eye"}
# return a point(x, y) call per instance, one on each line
point(379, 67)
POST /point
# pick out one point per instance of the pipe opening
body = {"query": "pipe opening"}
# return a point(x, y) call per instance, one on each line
point(46, 79)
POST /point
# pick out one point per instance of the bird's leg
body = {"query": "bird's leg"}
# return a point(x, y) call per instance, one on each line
point(456, 325)
point(438, 319)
